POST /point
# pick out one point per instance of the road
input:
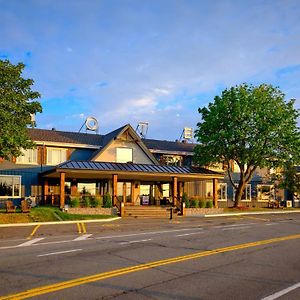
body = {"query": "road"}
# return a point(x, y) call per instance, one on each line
point(250, 257)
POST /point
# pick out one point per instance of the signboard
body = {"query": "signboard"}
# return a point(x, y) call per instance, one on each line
point(145, 200)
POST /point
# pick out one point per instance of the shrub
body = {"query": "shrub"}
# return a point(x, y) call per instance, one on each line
point(202, 204)
point(98, 201)
point(209, 204)
point(74, 202)
point(107, 203)
point(196, 203)
point(186, 200)
point(86, 201)
point(193, 202)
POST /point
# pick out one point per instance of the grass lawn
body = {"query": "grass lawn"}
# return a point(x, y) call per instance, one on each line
point(44, 214)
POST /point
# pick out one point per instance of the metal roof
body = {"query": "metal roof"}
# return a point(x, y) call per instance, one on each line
point(131, 167)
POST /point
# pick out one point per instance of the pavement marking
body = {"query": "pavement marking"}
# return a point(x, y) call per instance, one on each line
point(82, 237)
point(233, 225)
point(141, 267)
point(31, 242)
point(78, 227)
point(59, 252)
point(271, 224)
point(33, 232)
point(256, 218)
point(83, 227)
point(186, 234)
point(282, 292)
point(235, 228)
point(145, 233)
point(133, 242)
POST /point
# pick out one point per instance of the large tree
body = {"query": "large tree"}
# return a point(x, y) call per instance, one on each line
point(250, 125)
point(16, 106)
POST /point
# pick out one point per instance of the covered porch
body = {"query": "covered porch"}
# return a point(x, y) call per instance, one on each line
point(128, 184)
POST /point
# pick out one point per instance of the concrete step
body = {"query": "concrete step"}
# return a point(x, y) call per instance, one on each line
point(147, 212)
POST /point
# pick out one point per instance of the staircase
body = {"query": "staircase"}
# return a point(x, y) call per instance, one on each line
point(140, 211)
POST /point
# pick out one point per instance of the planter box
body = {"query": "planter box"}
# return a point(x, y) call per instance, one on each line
point(202, 211)
point(92, 211)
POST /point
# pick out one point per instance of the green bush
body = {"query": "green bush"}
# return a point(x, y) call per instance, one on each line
point(186, 200)
point(98, 201)
point(202, 204)
point(209, 204)
point(196, 203)
point(107, 203)
point(86, 201)
point(193, 203)
point(74, 202)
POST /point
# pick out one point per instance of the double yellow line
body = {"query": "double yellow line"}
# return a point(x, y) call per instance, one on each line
point(119, 272)
point(81, 227)
point(33, 232)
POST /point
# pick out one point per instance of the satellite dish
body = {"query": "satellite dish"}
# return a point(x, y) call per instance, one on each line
point(91, 123)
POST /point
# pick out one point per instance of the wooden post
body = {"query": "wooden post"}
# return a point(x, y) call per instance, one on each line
point(62, 189)
point(74, 190)
point(115, 189)
point(175, 193)
point(124, 192)
point(215, 192)
point(46, 190)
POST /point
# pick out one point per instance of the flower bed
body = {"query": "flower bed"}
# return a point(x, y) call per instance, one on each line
point(92, 211)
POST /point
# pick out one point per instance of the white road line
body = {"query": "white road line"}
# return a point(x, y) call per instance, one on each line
point(145, 233)
point(270, 224)
point(82, 237)
point(186, 234)
point(132, 242)
point(60, 252)
point(282, 292)
point(235, 228)
point(30, 242)
point(234, 225)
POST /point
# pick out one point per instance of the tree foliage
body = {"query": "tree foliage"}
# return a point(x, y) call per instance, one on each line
point(16, 106)
point(251, 125)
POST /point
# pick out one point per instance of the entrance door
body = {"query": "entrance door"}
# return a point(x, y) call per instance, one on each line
point(124, 192)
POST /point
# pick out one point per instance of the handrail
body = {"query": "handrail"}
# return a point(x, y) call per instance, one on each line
point(118, 203)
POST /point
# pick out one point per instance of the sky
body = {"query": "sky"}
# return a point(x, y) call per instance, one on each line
point(155, 61)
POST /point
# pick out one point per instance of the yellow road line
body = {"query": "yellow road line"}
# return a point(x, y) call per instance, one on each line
point(119, 272)
point(78, 227)
point(83, 227)
point(33, 232)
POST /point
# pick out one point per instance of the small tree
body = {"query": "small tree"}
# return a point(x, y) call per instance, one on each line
point(16, 107)
point(107, 201)
point(250, 125)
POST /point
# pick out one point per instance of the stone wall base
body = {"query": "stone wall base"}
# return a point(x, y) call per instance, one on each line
point(92, 211)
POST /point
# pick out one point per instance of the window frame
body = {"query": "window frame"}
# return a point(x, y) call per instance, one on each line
point(13, 187)
point(54, 148)
point(34, 154)
point(272, 192)
point(222, 184)
point(120, 149)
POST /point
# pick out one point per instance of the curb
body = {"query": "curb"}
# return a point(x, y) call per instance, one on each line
point(252, 213)
point(59, 222)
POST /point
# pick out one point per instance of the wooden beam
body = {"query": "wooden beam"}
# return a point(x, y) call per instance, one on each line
point(215, 192)
point(46, 190)
point(74, 190)
point(115, 188)
point(175, 192)
point(62, 189)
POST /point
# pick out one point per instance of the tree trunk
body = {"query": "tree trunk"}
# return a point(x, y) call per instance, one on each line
point(239, 193)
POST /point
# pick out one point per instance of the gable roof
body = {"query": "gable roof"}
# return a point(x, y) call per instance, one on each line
point(110, 137)
point(45, 135)
point(169, 146)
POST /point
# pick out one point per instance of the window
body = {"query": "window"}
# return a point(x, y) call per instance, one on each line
point(265, 192)
point(222, 191)
point(56, 156)
point(209, 190)
point(171, 160)
point(10, 186)
point(29, 157)
point(86, 188)
point(124, 155)
point(246, 193)
point(166, 190)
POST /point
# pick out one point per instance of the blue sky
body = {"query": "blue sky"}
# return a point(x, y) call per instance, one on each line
point(155, 61)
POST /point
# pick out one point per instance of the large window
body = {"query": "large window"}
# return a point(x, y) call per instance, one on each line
point(29, 157)
point(124, 155)
point(265, 192)
point(86, 188)
point(209, 190)
point(10, 186)
point(56, 156)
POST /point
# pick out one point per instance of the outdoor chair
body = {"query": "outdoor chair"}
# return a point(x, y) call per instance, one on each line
point(25, 206)
point(10, 207)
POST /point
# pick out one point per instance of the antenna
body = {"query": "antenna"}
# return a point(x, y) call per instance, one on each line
point(91, 124)
point(187, 134)
point(142, 129)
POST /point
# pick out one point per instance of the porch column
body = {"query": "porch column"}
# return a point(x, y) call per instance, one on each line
point(124, 192)
point(74, 187)
point(46, 190)
point(175, 193)
point(215, 192)
point(115, 189)
point(62, 189)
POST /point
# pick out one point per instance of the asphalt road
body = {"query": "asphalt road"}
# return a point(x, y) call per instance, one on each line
point(251, 257)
